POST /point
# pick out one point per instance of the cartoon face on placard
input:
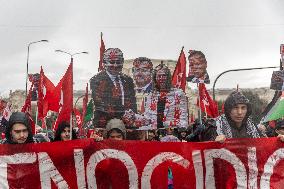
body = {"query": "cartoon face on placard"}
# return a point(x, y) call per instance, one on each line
point(142, 72)
point(197, 67)
point(277, 80)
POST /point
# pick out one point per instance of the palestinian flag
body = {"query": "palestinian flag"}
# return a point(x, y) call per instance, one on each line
point(89, 112)
point(277, 111)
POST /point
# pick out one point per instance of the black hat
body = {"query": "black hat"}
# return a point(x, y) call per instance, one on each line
point(235, 98)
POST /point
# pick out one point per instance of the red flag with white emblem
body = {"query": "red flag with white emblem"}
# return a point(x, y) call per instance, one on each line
point(66, 97)
point(179, 75)
point(79, 119)
point(207, 104)
point(47, 97)
point(27, 107)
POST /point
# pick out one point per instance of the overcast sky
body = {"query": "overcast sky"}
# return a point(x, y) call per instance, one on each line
point(232, 34)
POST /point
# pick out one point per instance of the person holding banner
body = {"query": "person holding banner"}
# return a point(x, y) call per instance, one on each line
point(112, 91)
point(18, 130)
point(236, 121)
point(63, 132)
point(115, 130)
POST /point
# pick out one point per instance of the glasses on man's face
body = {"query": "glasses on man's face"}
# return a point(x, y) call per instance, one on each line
point(141, 70)
point(113, 66)
point(113, 62)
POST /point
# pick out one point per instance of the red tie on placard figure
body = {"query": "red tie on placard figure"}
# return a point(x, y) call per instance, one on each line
point(117, 89)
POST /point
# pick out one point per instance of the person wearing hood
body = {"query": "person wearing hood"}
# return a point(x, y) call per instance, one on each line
point(236, 121)
point(182, 134)
point(18, 130)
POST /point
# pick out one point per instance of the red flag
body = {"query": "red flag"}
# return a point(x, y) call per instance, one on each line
point(27, 107)
point(47, 97)
point(79, 119)
point(7, 111)
point(179, 75)
point(207, 105)
point(102, 50)
point(85, 102)
point(192, 118)
point(66, 97)
point(32, 123)
point(223, 108)
point(3, 104)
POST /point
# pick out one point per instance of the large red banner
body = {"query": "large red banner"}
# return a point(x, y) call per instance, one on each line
point(242, 163)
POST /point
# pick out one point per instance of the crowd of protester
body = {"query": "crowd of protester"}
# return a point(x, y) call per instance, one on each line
point(234, 123)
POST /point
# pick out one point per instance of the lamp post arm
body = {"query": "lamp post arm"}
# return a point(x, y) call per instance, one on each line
point(27, 74)
point(235, 70)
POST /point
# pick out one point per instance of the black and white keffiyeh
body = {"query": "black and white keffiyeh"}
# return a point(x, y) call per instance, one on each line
point(224, 128)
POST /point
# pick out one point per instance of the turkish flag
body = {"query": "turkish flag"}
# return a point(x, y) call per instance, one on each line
point(79, 119)
point(207, 104)
point(102, 50)
point(179, 75)
point(46, 97)
point(66, 97)
point(27, 107)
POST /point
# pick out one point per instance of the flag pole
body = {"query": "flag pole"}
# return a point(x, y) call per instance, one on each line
point(71, 126)
point(71, 118)
point(36, 113)
point(200, 113)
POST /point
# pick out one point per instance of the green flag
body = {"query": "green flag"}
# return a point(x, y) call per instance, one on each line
point(277, 111)
point(89, 112)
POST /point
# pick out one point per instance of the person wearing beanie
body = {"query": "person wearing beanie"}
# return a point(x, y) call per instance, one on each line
point(112, 91)
point(116, 129)
point(18, 130)
point(236, 121)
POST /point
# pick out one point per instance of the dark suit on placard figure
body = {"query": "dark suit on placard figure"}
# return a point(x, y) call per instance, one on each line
point(112, 91)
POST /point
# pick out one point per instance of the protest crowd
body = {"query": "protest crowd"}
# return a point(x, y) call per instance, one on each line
point(113, 113)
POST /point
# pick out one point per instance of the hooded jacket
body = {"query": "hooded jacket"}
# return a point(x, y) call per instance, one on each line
point(224, 122)
point(18, 117)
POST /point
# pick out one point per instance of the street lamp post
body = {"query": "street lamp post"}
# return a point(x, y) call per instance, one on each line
point(71, 55)
point(27, 76)
point(236, 70)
